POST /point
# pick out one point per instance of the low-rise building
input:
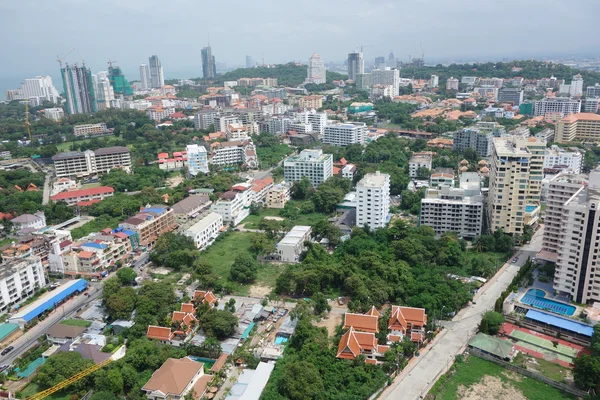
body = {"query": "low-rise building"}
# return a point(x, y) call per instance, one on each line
point(32, 221)
point(81, 164)
point(90, 129)
point(62, 185)
point(419, 161)
point(261, 187)
point(150, 223)
point(72, 197)
point(278, 195)
point(572, 159)
point(55, 114)
point(442, 177)
point(158, 113)
point(176, 378)
point(177, 162)
point(291, 246)
point(234, 205)
point(205, 231)
point(61, 334)
point(191, 207)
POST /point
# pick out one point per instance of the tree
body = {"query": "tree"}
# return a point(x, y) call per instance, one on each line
point(61, 367)
point(271, 227)
point(586, 372)
point(491, 322)
point(244, 269)
point(326, 198)
point(423, 173)
point(326, 230)
point(218, 323)
point(109, 287)
point(301, 380)
point(174, 251)
point(301, 189)
point(470, 155)
point(121, 304)
point(104, 395)
point(320, 304)
point(261, 244)
point(126, 275)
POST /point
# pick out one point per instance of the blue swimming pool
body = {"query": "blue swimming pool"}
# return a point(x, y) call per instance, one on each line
point(537, 298)
point(280, 339)
point(530, 208)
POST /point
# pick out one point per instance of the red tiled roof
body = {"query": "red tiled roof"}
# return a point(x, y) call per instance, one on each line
point(348, 347)
point(360, 322)
point(178, 316)
point(219, 363)
point(367, 341)
point(414, 316)
point(177, 115)
point(65, 244)
point(371, 361)
point(163, 155)
point(416, 337)
point(87, 203)
point(336, 170)
point(397, 321)
point(121, 235)
point(187, 308)
point(85, 254)
point(373, 311)
point(159, 333)
point(83, 192)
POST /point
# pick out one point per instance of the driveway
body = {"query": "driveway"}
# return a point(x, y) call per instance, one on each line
point(421, 373)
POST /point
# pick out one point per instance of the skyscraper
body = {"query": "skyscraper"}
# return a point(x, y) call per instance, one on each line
point(379, 62)
point(145, 76)
point(316, 72)
point(40, 87)
point(356, 65)
point(118, 81)
point(157, 78)
point(209, 67)
point(249, 62)
point(392, 60)
point(103, 89)
point(79, 89)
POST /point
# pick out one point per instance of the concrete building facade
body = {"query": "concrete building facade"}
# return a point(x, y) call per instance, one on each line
point(343, 134)
point(313, 164)
point(373, 200)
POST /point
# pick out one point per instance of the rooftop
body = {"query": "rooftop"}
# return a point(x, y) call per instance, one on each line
point(375, 180)
point(293, 237)
point(581, 117)
point(83, 193)
point(173, 376)
point(204, 223)
point(190, 203)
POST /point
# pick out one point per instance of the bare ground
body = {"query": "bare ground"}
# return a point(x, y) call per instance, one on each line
point(490, 387)
point(259, 291)
point(174, 181)
point(333, 319)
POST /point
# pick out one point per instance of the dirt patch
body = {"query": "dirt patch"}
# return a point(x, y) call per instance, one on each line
point(490, 387)
point(259, 291)
point(271, 218)
point(174, 181)
point(512, 376)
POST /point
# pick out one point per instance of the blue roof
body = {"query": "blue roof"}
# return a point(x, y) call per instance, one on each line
point(247, 331)
point(559, 322)
point(95, 245)
point(154, 210)
point(128, 232)
point(59, 295)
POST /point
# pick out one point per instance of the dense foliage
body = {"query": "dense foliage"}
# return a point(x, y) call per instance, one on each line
point(288, 74)
point(141, 177)
point(587, 366)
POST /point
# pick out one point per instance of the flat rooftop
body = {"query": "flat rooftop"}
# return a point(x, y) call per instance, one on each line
point(294, 236)
point(204, 223)
point(375, 180)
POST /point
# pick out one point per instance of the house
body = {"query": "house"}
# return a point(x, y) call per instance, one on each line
point(35, 221)
point(407, 320)
point(183, 323)
point(160, 333)
point(72, 197)
point(61, 334)
point(176, 378)
point(203, 296)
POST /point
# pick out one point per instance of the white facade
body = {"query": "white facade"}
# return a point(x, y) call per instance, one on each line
point(159, 113)
point(313, 164)
point(205, 118)
point(343, 134)
point(234, 205)
point(19, 279)
point(157, 79)
point(197, 159)
point(562, 105)
point(387, 77)
point(33, 221)
point(145, 76)
point(40, 87)
point(205, 231)
point(90, 162)
point(452, 84)
point(316, 70)
point(591, 105)
point(55, 114)
point(434, 81)
point(291, 246)
point(356, 65)
point(105, 93)
point(416, 162)
point(318, 120)
point(559, 156)
point(90, 129)
point(487, 91)
point(373, 200)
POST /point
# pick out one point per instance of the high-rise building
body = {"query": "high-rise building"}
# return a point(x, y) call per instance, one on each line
point(591, 104)
point(392, 63)
point(516, 173)
point(313, 164)
point(157, 78)
point(575, 274)
point(576, 88)
point(118, 81)
point(452, 84)
point(387, 77)
point(514, 95)
point(145, 76)
point(373, 200)
point(562, 105)
point(79, 90)
point(345, 133)
point(316, 72)
point(380, 62)
point(197, 159)
point(356, 65)
point(209, 67)
point(593, 91)
point(40, 87)
point(557, 156)
point(578, 127)
point(476, 139)
point(104, 90)
point(249, 62)
point(434, 81)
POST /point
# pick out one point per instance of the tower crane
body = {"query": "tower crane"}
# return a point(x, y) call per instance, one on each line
point(27, 124)
point(110, 63)
point(362, 46)
point(60, 59)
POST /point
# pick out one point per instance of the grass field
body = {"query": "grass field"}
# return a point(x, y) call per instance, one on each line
point(76, 322)
point(66, 146)
point(34, 388)
point(468, 379)
point(6, 241)
point(252, 221)
point(549, 369)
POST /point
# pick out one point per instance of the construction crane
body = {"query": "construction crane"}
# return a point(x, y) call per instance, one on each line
point(110, 63)
point(362, 46)
point(27, 124)
point(60, 59)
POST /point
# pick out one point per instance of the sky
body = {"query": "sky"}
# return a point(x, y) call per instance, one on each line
point(129, 31)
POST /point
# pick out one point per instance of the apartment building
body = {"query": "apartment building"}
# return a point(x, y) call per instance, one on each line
point(313, 164)
point(560, 189)
point(557, 156)
point(449, 209)
point(373, 200)
point(516, 173)
point(55, 114)
point(205, 231)
point(591, 105)
point(234, 152)
point(80, 164)
point(583, 127)
point(193, 206)
point(577, 260)
point(387, 77)
point(292, 246)
point(318, 120)
point(234, 205)
point(90, 129)
point(593, 91)
point(452, 83)
point(205, 118)
point(197, 159)
point(479, 140)
point(343, 134)
point(562, 105)
point(92, 195)
point(19, 279)
point(510, 95)
point(442, 177)
point(158, 113)
point(487, 91)
point(150, 223)
point(278, 195)
point(261, 187)
point(419, 161)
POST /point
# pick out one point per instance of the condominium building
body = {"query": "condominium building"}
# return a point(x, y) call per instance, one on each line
point(205, 231)
point(576, 274)
point(90, 129)
point(75, 163)
point(356, 65)
point(197, 159)
point(205, 118)
point(234, 205)
point(40, 88)
point(290, 248)
point(157, 79)
point(584, 127)
point(84, 196)
point(313, 164)
point(452, 83)
point(19, 279)
point(487, 91)
point(150, 223)
point(318, 120)
point(419, 161)
point(511, 95)
point(343, 134)
point(557, 156)
point(316, 72)
point(434, 81)
point(516, 173)
point(233, 153)
point(55, 114)
point(209, 66)
point(386, 77)
point(496, 82)
point(278, 195)
point(449, 209)
point(591, 104)
point(158, 113)
point(373, 200)
point(79, 90)
point(145, 76)
point(562, 105)
point(593, 91)
point(105, 94)
point(479, 140)
point(560, 189)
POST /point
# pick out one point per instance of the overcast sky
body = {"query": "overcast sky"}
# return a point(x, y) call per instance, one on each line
point(35, 31)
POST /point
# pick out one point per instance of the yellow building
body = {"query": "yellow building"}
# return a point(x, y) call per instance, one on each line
point(584, 127)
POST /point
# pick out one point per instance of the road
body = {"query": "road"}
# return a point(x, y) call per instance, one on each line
point(47, 189)
point(422, 372)
point(28, 339)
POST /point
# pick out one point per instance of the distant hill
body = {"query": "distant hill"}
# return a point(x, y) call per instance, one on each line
point(287, 74)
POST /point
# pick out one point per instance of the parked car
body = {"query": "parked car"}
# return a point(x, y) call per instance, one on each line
point(7, 350)
point(515, 259)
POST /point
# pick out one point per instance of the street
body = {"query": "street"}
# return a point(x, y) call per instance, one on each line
point(422, 372)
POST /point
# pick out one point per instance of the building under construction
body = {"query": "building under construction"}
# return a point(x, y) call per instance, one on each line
point(79, 89)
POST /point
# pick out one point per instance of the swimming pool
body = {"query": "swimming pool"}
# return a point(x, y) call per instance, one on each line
point(537, 298)
point(530, 208)
point(280, 339)
point(208, 362)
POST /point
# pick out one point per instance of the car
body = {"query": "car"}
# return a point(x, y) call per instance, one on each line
point(7, 350)
point(2, 368)
point(515, 259)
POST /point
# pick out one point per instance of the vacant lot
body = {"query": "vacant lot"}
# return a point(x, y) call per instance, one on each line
point(252, 221)
point(480, 379)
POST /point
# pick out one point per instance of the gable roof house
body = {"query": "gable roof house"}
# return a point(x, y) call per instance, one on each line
point(176, 378)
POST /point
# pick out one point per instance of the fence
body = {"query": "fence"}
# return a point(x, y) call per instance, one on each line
point(531, 374)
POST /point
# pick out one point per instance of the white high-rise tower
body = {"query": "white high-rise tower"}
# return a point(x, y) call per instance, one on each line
point(316, 70)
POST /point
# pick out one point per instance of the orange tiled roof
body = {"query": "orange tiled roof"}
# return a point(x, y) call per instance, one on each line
point(367, 341)
point(397, 321)
point(371, 361)
point(414, 316)
point(360, 322)
point(159, 333)
point(348, 347)
point(178, 316)
point(187, 308)
point(373, 311)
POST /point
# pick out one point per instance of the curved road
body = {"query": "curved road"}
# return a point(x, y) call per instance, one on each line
point(421, 373)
